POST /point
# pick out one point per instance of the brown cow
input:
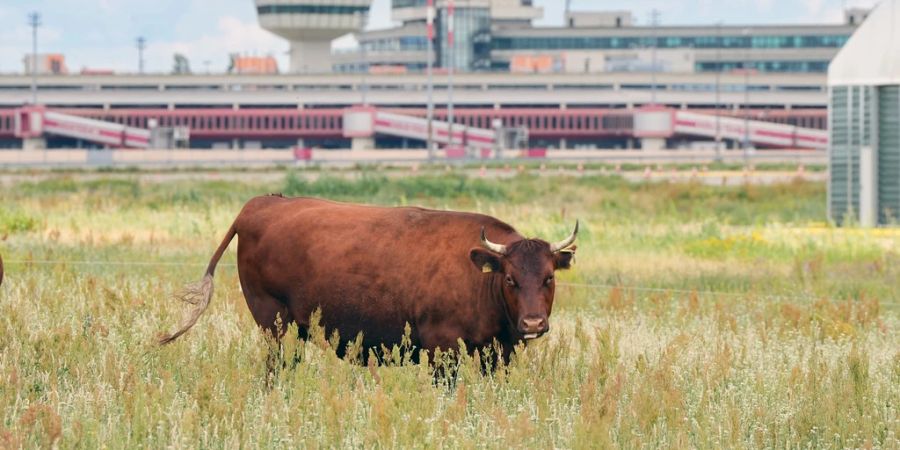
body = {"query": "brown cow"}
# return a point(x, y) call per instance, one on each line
point(372, 270)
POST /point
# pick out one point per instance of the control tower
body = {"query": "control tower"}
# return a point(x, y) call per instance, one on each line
point(310, 26)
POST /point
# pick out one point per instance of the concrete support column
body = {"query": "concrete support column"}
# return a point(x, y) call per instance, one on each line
point(362, 143)
point(235, 143)
point(652, 126)
point(311, 56)
point(653, 143)
point(35, 143)
point(563, 144)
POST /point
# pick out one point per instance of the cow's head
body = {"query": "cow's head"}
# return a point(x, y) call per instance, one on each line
point(527, 269)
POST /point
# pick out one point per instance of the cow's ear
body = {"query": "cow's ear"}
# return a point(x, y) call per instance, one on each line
point(565, 258)
point(485, 260)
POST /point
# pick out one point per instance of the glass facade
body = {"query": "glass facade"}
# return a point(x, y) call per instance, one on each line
point(360, 67)
point(311, 9)
point(763, 66)
point(478, 47)
point(401, 43)
point(408, 3)
point(604, 43)
point(472, 34)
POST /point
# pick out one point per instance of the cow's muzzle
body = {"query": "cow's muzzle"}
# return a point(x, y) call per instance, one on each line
point(533, 327)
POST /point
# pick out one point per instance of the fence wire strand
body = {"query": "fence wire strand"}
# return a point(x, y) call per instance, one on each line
point(593, 286)
point(697, 292)
point(48, 262)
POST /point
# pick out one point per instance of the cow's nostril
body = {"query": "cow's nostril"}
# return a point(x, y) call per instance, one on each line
point(534, 324)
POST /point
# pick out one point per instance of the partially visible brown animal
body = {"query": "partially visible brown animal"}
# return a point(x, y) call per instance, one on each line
point(372, 270)
point(1, 271)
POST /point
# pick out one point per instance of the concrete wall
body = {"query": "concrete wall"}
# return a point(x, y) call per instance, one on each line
point(219, 158)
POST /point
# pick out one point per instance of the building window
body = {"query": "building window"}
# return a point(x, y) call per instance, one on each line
point(763, 66)
point(311, 9)
point(472, 35)
point(409, 3)
point(733, 41)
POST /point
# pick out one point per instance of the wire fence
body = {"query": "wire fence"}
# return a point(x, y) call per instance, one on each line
point(60, 262)
point(697, 292)
point(591, 286)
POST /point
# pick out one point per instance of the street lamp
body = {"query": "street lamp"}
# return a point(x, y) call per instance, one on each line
point(364, 63)
point(654, 22)
point(746, 34)
point(718, 90)
point(429, 21)
point(34, 20)
point(141, 43)
point(451, 51)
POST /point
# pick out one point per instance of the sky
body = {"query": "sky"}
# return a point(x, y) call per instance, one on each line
point(101, 34)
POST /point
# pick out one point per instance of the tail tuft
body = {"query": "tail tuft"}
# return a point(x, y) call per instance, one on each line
point(198, 295)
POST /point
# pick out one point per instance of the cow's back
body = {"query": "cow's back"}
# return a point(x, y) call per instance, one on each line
point(370, 269)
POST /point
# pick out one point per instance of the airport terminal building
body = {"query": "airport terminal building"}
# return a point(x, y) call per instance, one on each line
point(498, 35)
point(575, 86)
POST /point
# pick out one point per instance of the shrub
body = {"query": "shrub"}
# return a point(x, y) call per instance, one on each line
point(15, 221)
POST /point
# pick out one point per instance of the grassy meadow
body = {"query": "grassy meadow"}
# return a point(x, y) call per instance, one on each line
point(695, 317)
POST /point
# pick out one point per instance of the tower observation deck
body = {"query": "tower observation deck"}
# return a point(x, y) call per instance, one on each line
point(310, 26)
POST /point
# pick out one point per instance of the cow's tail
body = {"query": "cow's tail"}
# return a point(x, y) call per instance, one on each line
point(198, 294)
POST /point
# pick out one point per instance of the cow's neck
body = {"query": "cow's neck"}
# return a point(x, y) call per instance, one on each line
point(495, 307)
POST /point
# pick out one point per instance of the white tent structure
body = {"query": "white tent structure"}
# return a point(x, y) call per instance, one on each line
point(864, 122)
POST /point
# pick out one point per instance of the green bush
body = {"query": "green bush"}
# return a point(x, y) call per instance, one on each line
point(15, 221)
point(371, 187)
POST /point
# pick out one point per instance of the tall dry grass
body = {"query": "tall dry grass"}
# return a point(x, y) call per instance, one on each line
point(695, 317)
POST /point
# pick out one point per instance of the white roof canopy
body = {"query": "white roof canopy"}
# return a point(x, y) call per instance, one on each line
point(872, 55)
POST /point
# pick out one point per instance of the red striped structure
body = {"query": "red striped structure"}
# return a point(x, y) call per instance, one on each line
point(270, 123)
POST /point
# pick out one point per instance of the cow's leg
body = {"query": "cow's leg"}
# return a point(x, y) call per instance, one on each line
point(269, 313)
point(442, 344)
point(273, 317)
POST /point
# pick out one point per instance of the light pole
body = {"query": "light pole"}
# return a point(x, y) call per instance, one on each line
point(364, 63)
point(654, 21)
point(34, 20)
point(430, 71)
point(718, 90)
point(451, 52)
point(746, 34)
point(141, 45)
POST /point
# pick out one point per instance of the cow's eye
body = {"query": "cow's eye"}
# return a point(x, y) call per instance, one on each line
point(549, 280)
point(510, 282)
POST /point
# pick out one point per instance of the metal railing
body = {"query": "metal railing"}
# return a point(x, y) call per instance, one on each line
point(13, 159)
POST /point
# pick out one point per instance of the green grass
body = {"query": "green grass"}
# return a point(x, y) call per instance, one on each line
point(695, 316)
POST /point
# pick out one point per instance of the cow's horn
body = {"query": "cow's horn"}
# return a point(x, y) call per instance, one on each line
point(501, 249)
point(565, 242)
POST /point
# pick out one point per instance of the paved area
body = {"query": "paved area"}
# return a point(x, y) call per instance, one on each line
point(724, 178)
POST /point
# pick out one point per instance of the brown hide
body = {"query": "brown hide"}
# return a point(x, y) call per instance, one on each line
point(372, 270)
